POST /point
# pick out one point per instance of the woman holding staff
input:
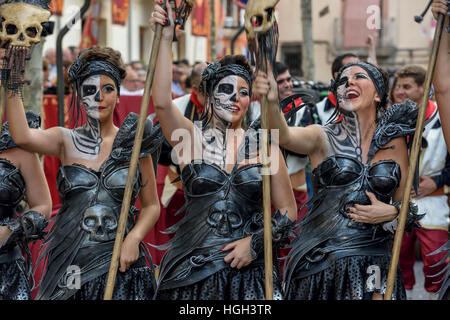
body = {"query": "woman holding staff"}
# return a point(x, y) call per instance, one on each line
point(360, 161)
point(217, 251)
point(91, 180)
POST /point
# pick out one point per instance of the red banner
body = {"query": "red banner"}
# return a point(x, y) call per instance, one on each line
point(56, 7)
point(200, 14)
point(91, 29)
point(120, 11)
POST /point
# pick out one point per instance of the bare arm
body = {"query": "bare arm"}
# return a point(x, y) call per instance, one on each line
point(371, 50)
point(46, 142)
point(148, 216)
point(168, 114)
point(281, 190)
point(32, 140)
point(37, 191)
point(442, 70)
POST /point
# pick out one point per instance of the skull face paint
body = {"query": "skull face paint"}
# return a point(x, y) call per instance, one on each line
point(95, 95)
point(91, 96)
point(351, 91)
point(230, 97)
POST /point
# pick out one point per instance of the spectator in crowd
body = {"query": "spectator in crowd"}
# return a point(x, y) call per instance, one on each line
point(130, 85)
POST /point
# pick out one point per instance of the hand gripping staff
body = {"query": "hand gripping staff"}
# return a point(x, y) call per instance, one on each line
point(182, 13)
point(262, 35)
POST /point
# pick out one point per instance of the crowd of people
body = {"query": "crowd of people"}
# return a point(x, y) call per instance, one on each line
point(337, 178)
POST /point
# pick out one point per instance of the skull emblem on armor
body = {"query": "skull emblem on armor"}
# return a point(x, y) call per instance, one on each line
point(259, 16)
point(21, 23)
point(100, 222)
point(224, 217)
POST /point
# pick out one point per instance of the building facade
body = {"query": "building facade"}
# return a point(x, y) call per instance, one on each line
point(338, 26)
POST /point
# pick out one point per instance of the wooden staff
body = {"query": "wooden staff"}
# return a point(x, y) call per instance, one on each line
point(133, 165)
point(268, 258)
point(413, 161)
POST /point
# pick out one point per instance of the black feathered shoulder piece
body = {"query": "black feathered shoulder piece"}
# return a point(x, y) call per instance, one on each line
point(398, 121)
point(151, 139)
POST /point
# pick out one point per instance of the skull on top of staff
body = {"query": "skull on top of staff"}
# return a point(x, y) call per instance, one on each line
point(262, 31)
point(22, 22)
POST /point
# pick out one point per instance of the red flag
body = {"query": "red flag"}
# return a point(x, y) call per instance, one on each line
point(120, 11)
point(200, 14)
point(56, 7)
point(90, 32)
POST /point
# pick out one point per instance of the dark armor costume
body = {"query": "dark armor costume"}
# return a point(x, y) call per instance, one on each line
point(221, 208)
point(15, 272)
point(85, 227)
point(332, 256)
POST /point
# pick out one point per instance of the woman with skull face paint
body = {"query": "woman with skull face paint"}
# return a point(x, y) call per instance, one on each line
point(216, 252)
point(21, 178)
point(91, 181)
point(360, 161)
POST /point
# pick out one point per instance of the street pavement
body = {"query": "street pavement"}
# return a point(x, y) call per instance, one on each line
point(418, 292)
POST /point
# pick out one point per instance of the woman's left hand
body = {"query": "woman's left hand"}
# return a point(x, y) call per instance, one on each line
point(240, 256)
point(376, 212)
point(129, 253)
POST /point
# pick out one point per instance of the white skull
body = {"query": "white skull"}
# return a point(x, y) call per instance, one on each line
point(21, 23)
point(259, 16)
point(100, 222)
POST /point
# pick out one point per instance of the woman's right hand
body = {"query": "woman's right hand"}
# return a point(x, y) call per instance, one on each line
point(160, 16)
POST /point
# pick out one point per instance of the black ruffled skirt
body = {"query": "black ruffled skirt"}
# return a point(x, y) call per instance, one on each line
point(14, 284)
point(227, 284)
point(348, 278)
point(137, 283)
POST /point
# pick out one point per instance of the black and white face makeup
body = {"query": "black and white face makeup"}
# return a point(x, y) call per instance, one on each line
point(226, 96)
point(353, 84)
point(91, 96)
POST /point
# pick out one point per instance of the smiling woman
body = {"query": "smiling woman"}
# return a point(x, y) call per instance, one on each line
point(91, 181)
point(359, 162)
point(216, 252)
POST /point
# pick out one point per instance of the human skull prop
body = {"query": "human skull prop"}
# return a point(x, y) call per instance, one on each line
point(100, 222)
point(21, 23)
point(224, 217)
point(259, 16)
